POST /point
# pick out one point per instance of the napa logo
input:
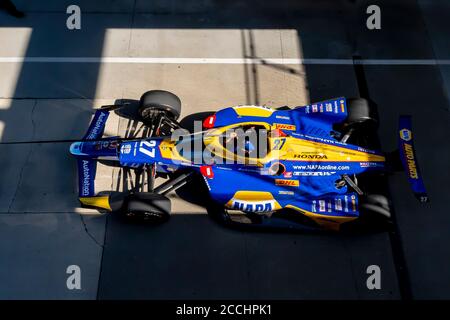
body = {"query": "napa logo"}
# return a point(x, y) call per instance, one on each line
point(405, 134)
point(253, 206)
point(410, 161)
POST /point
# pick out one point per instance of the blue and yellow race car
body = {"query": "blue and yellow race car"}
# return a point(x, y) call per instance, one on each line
point(313, 167)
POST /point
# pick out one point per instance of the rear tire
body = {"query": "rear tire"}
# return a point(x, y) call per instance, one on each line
point(376, 206)
point(374, 215)
point(361, 112)
point(159, 100)
point(148, 207)
point(362, 121)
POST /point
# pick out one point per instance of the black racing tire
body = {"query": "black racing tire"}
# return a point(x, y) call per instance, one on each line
point(394, 161)
point(362, 122)
point(374, 215)
point(148, 207)
point(376, 205)
point(361, 112)
point(217, 212)
point(160, 100)
point(284, 220)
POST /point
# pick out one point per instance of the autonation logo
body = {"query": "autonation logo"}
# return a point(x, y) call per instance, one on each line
point(97, 127)
point(86, 178)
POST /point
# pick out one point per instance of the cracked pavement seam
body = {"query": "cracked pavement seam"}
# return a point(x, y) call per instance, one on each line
point(89, 234)
point(19, 181)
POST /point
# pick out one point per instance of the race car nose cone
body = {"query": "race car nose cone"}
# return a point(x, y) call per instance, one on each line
point(75, 148)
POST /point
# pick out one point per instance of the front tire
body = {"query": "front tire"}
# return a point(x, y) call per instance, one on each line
point(148, 207)
point(159, 100)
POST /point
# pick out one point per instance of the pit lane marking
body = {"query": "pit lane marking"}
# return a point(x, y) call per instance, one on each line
point(261, 61)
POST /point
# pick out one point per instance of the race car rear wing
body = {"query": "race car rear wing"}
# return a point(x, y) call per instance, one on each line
point(409, 159)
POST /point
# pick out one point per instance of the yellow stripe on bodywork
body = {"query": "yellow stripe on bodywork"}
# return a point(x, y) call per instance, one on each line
point(253, 196)
point(294, 149)
point(253, 111)
point(169, 151)
point(98, 202)
point(328, 222)
point(305, 150)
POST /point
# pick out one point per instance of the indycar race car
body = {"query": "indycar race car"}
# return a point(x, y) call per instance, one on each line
point(313, 167)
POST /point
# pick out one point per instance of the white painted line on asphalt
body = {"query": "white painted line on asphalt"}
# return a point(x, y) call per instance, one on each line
point(150, 60)
point(143, 60)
